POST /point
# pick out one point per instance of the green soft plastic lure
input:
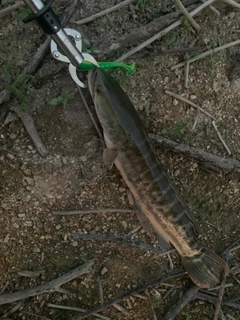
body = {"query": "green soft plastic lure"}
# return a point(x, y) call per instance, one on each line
point(85, 65)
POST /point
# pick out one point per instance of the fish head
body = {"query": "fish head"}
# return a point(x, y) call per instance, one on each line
point(105, 98)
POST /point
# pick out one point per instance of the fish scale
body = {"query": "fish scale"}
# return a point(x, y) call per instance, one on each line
point(152, 189)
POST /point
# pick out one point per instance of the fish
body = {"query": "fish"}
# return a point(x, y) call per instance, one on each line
point(130, 149)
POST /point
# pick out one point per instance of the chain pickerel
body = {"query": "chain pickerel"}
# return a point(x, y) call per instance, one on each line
point(129, 147)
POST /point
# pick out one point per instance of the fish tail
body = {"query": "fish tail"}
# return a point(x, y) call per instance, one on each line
point(206, 268)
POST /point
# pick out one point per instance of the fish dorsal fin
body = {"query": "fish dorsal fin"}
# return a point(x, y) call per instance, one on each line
point(109, 156)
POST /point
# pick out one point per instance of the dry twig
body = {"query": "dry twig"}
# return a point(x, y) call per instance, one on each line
point(220, 138)
point(213, 9)
point(213, 299)
point(151, 305)
point(225, 252)
point(186, 298)
point(232, 3)
point(102, 210)
point(57, 306)
point(100, 290)
point(128, 294)
point(104, 12)
point(121, 308)
point(220, 297)
point(14, 309)
point(46, 287)
point(207, 53)
point(9, 9)
point(123, 239)
point(201, 156)
point(208, 159)
point(91, 117)
point(186, 73)
point(177, 96)
point(28, 122)
point(163, 32)
point(35, 315)
point(187, 15)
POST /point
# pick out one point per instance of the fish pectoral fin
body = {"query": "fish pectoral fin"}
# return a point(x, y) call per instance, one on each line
point(109, 156)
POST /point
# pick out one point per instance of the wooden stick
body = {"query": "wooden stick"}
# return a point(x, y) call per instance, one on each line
point(197, 154)
point(212, 299)
point(230, 317)
point(151, 305)
point(186, 298)
point(9, 9)
point(207, 53)
point(220, 297)
point(35, 315)
point(104, 12)
point(163, 32)
point(57, 306)
point(121, 308)
point(142, 33)
point(66, 213)
point(229, 247)
point(46, 287)
point(232, 3)
point(127, 294)
point(187, 15)
point(186, 73)
point(100, 290)
point(227, 285)
point(221, 139)
point(177, 96)
point(141, 55)
point(91, 117)
point(213, 9)
point(28, 122)
point(123, 239)
point(14, 309)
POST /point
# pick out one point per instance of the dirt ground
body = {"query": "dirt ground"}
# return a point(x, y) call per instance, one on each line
point(73, 176)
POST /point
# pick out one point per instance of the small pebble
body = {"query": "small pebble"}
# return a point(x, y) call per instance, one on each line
point(12, 136)
point(175, 102)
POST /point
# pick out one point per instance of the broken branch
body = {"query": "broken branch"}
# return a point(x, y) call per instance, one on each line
point(123, 239)
point(127, 294)
point(187, 15)
point(104, 12)
point(177, 96)
point(46, 287)
point(9, 9)
point(163, 32)
point(57, 306)
point(207, 53)
point(186, 298)
point(66, 213)
point(201, 156)
point(28, 122)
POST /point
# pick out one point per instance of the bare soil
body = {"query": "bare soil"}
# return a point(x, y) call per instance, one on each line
point(73, 176)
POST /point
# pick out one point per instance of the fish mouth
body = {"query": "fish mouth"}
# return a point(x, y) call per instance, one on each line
point(92, 74)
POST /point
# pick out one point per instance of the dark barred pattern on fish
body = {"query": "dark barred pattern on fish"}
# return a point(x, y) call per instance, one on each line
point(156, 196)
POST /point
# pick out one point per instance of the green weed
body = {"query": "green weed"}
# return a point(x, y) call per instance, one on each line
point(63, 98)
point(172, 38)
point(23, 13)
point(20, 89)
point(186, 24)
point(157, 301)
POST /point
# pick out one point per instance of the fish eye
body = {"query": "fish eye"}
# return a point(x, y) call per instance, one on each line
point(97, 90)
